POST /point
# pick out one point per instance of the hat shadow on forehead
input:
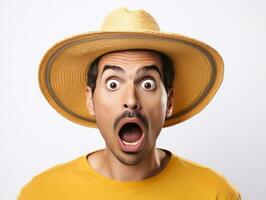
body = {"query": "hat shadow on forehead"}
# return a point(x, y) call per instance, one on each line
point(63, 69)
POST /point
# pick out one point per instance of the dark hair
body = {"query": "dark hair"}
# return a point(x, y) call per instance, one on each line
point(168, 72)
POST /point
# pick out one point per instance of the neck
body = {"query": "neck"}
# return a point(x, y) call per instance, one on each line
point(105, 163)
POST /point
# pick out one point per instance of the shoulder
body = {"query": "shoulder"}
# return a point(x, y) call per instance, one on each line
point(57, 176)
point(204, 178)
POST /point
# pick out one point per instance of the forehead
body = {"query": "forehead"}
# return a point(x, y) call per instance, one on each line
point(131, 59)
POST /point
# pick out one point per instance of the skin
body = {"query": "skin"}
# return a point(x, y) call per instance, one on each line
point(142, 93)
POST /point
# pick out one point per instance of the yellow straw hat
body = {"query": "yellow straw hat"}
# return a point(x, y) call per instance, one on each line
point(63, 69)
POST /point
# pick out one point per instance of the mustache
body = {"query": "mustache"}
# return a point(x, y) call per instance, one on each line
point(131, 114)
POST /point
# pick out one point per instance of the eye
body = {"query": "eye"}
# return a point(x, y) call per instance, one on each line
point(112, 84)
point(148, 84)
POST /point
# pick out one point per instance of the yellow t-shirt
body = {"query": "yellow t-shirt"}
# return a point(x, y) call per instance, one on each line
point(180, 179)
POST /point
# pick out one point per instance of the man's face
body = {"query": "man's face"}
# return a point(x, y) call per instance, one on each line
point(130, 103)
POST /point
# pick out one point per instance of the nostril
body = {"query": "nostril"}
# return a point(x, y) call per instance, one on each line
point(131, 107)
point(135, 107)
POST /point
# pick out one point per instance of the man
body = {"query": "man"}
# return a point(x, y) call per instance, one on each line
point(136, 80)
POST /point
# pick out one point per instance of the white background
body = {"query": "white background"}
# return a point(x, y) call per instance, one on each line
point(228, 135)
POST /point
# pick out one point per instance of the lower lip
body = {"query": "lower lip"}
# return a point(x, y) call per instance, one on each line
point(131, 148)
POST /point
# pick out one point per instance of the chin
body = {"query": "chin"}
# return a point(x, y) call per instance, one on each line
point(130, 161)
point(130, 158)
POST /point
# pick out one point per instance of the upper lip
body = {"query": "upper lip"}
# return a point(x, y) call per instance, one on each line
point(130, 120)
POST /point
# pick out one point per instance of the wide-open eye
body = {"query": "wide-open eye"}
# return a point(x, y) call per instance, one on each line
point(148, 84)
point(112, 84)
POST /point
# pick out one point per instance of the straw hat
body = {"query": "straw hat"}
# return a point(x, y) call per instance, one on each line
point(63, 69)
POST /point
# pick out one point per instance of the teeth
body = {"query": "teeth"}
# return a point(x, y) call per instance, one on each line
point(131, 143)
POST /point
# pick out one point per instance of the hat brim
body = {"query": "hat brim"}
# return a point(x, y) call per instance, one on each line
point(63, 71)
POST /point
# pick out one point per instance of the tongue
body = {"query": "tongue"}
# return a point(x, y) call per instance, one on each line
point(131, 133)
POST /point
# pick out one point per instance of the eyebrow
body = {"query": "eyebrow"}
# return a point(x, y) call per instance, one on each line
point(149, 68)
point(113, 67)
point(139, 71)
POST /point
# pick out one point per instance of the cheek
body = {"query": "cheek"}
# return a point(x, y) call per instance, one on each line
point(155, 107)
point(105, 112)
point(103, 103)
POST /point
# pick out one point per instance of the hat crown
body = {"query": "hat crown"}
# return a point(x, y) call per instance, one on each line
point(126, 20)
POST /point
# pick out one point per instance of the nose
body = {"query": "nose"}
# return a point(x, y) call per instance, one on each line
point(131, 100)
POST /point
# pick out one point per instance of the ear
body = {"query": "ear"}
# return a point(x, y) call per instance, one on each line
point(170, 96)
point(89, 101)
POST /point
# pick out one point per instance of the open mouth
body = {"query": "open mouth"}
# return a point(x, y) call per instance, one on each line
point(131, 137)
